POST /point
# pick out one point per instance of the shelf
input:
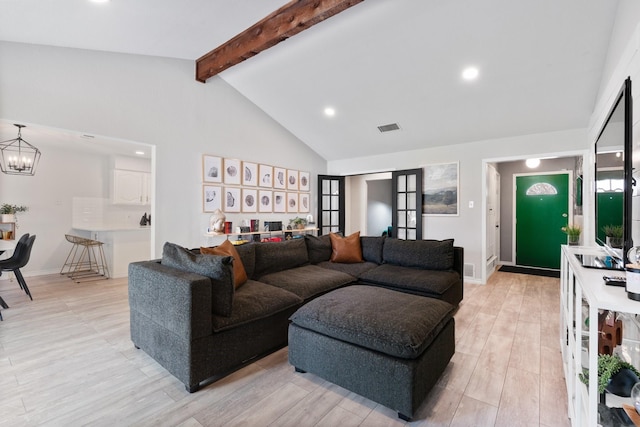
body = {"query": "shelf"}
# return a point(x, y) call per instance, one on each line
point(252, 233)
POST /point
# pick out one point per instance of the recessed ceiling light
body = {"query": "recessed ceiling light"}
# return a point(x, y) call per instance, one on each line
point(470, 73)
point(329, 111)
point(99, 1)
point(140, 153)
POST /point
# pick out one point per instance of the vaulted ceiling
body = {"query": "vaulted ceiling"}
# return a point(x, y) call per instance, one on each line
point(379, 62)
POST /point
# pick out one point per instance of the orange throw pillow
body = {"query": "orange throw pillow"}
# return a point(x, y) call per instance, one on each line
point(346, 249)
point(227, 249)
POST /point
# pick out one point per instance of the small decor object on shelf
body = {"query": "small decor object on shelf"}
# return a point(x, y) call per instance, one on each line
point(614, 235)
point(217, 221)
point(298, 223)
point(8, 212)
point(614, 375)
point(573, 234)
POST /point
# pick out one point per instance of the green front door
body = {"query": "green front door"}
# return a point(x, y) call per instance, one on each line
point(542, 208)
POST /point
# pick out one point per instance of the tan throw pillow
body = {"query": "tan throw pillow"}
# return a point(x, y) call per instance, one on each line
point(346, 249)
point(227, 249)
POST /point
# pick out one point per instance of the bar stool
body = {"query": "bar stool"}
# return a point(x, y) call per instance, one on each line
point(86, 260)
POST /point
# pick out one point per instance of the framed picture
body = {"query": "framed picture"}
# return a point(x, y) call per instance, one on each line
point(211, 198)
point(292, 179)
point(279, 178)
point(265, 198)
point(440, 189)
point(232, 171)
point(303, 202)
point(292, 202)
point(232, 201)
point(265, 176)
point(211, 168)
point(304, 181)
point(279, 201)
point(249, 174)
point(249, 200)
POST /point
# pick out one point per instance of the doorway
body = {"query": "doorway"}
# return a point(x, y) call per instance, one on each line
point(542, 208)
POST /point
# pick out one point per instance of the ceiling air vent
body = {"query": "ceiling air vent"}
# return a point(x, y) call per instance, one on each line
point(389, 128)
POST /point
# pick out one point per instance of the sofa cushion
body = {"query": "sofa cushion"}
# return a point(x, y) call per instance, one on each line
point(254, 301)
point(346, 249)
point(227, 249)
point(390, 322)
point(218, 268)
point(372, 248)
point(272, 257)
point(308, 281)
point(318, 248)
point(426, 254)
point(247, 254)
point(414, 280)
point(353, 269)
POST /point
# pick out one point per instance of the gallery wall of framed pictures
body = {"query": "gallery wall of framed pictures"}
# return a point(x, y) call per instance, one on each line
point(235, 186)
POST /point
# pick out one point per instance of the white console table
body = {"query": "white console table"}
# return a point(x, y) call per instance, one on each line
point(583, 289)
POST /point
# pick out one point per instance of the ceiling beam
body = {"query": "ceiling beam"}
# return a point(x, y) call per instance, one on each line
point(291, 19)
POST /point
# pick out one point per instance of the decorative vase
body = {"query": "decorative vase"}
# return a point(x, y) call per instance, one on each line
point(622, 382)
point(574, 240)
point(7, 218)
point(614, 242)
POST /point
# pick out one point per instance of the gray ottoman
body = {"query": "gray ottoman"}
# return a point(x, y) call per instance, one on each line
point(385, 345)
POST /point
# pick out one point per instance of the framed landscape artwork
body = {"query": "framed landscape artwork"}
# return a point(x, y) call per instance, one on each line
point(440, 195)
point(211, 198)
point(211, 168)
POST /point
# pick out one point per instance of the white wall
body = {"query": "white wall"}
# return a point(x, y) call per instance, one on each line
point(149, 100)
point(467, 228)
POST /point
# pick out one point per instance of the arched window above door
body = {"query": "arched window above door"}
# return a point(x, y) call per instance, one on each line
point(541, 188)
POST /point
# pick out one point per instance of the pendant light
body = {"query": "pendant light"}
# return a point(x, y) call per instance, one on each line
point(17, 156)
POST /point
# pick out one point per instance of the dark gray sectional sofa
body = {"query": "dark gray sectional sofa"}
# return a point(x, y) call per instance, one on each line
point(187, 315)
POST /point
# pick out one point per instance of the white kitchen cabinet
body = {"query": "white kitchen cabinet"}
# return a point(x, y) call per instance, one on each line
point(131, 187)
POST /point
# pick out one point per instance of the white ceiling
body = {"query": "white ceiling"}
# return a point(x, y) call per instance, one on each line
point(377, 63)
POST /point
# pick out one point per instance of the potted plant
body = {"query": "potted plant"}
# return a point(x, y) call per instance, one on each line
point(298, 223)
point(573, 232)
point(614, 235)
point(614, 375)
point(8, 212)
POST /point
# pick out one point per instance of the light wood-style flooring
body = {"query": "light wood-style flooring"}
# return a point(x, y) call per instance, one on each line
point(66, 360)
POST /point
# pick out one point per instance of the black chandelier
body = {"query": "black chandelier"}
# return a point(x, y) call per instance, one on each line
point(17, 156)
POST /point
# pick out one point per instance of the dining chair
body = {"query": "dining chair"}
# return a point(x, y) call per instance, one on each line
point(19, 259)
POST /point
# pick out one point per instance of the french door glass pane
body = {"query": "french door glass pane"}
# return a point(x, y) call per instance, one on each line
point(335, 218)
point(402, 234)
point(326, 186)
point(335, 202)
point(402, 220)
point(326, 202)
point(411, 201)
point(334, 187)
point(411, 234)
point(411, 183)
point(326, 217)
point(411, 218)
point(402, 184)
point(402, 200)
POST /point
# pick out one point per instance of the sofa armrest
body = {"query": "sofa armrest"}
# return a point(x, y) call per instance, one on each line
point(178, 301)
